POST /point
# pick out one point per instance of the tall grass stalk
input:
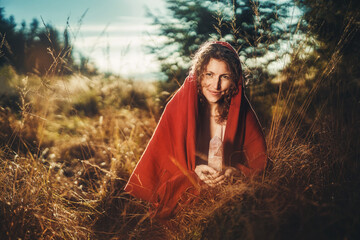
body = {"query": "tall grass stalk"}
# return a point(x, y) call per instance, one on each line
point(63, 167)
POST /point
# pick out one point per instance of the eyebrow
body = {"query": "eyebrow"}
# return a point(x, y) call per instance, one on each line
point(228, 73)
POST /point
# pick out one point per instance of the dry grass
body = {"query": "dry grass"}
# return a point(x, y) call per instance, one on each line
point(33, 204)
point(62, 172)
point(66, 155)
point(62, 175)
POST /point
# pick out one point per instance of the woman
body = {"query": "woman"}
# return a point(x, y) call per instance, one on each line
point(208, 132)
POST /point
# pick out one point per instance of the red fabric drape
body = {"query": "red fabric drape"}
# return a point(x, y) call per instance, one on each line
point(166, 169)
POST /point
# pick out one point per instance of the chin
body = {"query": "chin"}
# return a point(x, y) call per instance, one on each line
point(211, 99)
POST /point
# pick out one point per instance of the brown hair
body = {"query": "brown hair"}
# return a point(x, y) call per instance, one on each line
point(201, 59)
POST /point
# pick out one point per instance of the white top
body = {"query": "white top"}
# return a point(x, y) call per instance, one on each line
point(215, 155)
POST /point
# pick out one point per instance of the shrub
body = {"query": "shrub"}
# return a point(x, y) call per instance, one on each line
point(87, 104)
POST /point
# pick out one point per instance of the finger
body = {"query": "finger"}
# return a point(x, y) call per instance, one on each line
point(200, 171)
point(204, 169)
point(209, 169)
point(212, 176)
point(228, 173)
point(219, 179)
point(211, 185)
point(214, 181)
point(221, 182)
point(209, 181)
point(200, 175)
point(208, 177)
point(203, 177)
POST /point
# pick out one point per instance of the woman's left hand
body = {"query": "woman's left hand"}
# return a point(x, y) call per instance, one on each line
point(229, 173)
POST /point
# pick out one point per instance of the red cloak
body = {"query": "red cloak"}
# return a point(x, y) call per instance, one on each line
point(166, 169)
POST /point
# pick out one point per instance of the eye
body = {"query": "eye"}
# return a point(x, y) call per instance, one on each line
point(208, 74)
point(226, 77)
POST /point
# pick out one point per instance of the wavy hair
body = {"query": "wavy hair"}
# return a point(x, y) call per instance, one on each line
point(199, 62)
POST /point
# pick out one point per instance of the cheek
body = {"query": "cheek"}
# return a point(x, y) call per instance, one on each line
point(202, 86)
point(204, 83)
point(225, 86)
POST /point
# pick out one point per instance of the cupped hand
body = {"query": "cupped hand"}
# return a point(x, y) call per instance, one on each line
point(209, 175)
point(230, 172)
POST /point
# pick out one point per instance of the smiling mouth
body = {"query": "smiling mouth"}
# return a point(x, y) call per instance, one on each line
point(215, 92)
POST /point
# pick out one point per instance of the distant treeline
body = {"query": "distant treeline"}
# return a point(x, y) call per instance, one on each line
point(256, 28)
point(36, 48)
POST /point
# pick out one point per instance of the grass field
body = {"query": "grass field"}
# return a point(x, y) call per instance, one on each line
point(69, 144)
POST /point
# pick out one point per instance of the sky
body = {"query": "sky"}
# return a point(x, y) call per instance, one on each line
point(112, 33)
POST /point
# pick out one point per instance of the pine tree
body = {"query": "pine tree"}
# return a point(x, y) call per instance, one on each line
point(335, 25)
point(253, 27)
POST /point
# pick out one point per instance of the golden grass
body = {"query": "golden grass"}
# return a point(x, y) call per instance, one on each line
point(63, 170)
point(60, 171)
point(67, 154)
point(33, 204)
point(62, 176)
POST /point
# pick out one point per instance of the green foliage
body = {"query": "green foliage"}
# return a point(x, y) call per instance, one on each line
point(9, 95)
point(251, 27)
point(335, 25)
point(263, 97)
point(87, 104)
point(34, 50)
point(134, 98)
point(326, 62)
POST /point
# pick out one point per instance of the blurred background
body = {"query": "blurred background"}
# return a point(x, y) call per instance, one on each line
point(111, 35)
point(83, 84)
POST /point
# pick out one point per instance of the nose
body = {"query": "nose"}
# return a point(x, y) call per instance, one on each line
point(218, 83)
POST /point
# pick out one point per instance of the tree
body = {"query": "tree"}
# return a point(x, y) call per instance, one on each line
point(253, 27)
point(34, 50)
point(7, 32)
point(335, 25)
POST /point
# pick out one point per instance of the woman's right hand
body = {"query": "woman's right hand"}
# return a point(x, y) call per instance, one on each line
point(209, 175)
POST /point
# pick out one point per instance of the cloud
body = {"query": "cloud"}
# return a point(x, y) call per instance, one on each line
point(118, 28)
point(119, 47)
point(121, 53)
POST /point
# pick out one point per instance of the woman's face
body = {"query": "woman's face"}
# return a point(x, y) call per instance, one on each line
point(216, 80)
